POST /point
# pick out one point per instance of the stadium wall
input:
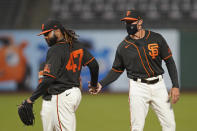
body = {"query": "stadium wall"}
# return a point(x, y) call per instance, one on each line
point(102, 44)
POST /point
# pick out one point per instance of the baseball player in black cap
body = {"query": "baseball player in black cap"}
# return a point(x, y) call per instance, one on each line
point(61, 77)
point(141, 54)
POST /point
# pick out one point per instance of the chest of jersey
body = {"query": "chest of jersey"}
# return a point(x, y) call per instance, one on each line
point(150, 49)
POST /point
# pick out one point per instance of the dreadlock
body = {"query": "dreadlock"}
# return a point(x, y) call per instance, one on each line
point(69, 36)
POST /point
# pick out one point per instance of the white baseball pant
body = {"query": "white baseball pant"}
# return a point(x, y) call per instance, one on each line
point(59, 113)
point(141, 95)
point(46, 116)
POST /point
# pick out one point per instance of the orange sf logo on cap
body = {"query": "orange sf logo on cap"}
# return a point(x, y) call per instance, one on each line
point(128, 13)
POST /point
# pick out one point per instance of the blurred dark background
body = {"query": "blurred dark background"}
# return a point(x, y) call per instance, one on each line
point(83, 14)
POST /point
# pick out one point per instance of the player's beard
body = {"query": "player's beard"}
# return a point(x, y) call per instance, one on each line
point(131, 29)
point(51, 41)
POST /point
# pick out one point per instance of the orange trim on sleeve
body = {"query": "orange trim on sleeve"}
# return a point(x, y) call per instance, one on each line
point(49, 75)
point(139, 56)
point(148, 62)
point(89, 61)
point(116, 70)
point(167, 57)
point(148, 35)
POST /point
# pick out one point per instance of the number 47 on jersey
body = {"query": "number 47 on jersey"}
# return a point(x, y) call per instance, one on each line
point(77, 54)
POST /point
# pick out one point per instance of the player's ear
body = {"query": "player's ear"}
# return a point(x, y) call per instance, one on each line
point(140, 24)
point(140, 21)
point(58, 33)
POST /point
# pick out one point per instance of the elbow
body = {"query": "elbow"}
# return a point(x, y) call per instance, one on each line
point(94, 66)
point(169, 61)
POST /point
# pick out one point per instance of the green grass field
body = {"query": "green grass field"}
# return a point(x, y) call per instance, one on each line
point(104, 112)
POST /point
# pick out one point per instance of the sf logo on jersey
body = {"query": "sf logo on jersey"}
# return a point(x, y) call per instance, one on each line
point(153, 50)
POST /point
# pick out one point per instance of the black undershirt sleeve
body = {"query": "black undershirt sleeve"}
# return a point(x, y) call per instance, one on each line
point(111, 77)
point(94, 71)
point(172, 71)
point(42, 88)
point(90, 61)
point(166, 55)
point(116, 71)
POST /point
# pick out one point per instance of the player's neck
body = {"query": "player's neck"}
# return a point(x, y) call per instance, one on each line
point(138, 35)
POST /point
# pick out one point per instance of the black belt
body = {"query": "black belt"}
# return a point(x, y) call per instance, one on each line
point(147, 81)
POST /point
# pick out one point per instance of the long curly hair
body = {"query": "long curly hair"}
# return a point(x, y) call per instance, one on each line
point(69, 36)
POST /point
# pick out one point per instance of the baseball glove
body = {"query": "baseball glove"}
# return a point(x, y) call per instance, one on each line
point(25, 112)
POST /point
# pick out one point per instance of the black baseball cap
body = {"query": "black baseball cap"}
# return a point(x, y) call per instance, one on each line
point(50, 25)
point(132, 15)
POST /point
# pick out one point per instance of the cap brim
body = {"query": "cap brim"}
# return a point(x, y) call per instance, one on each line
point(128, 19)
point(46, 31)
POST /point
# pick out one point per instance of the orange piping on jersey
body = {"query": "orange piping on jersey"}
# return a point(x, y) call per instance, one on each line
point(148, 62)
point(139, 56)
point(167, 57)
point(116, 70)
point(49, 75)
point(148, 35)
point(58, 117)
point(89, 61)
point(127, 46)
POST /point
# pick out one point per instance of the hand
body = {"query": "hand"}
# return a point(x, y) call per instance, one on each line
point(29, 101)
point(174, 94)
point(94, 90)
point(25, 112)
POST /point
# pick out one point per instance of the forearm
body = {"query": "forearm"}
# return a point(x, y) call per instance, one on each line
point(111, 77)
point(172, 72)
point(94, 71)
point(42, 88)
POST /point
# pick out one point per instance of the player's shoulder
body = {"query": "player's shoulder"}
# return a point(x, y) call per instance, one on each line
point(78, 45)
point(123, 43)
point(154, 34)
point(57, 48)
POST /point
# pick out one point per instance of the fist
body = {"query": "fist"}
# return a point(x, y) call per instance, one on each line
point(94, 90)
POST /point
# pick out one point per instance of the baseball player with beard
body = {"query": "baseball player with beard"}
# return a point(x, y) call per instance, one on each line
point(141, 54)
point(60, 81)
